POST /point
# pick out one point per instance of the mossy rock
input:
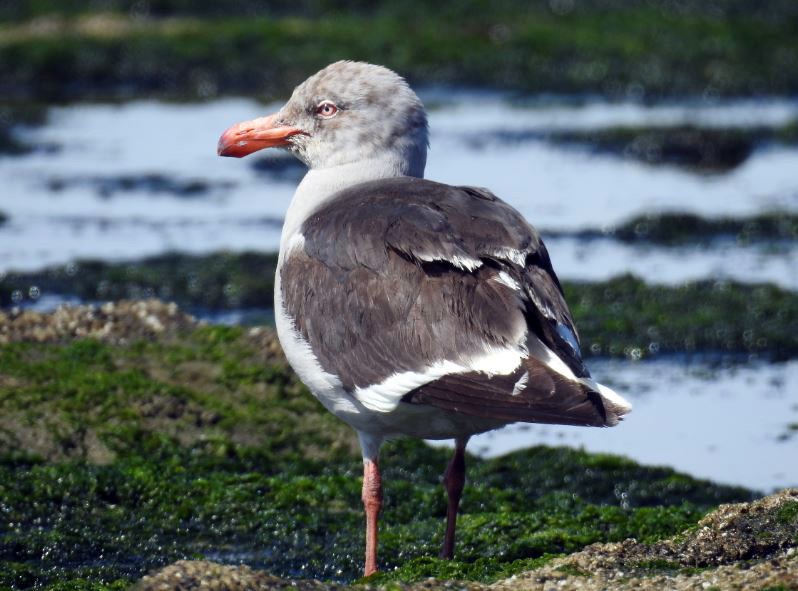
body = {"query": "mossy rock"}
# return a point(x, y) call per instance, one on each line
point(679, 229)
point(616, 50)
point(129, 451)
point(222, 280)
point(701, 149)
point(623, 316)
point(723, 535)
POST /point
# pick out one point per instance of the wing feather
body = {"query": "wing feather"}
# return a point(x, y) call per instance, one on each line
point(409, 273)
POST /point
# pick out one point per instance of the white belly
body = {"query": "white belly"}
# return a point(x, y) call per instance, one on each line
point(322, 384)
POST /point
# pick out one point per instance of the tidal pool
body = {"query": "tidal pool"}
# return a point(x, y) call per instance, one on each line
point(135, 179)
point(727, 423)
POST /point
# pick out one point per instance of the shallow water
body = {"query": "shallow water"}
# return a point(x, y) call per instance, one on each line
point(603, 258)
point(725, 423)
point(143, 177)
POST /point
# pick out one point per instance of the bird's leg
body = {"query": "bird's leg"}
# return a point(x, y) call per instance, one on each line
point(454, 481)
point(372, 501)
point(372, 495)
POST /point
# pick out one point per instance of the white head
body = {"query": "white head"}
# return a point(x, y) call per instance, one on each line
point(348, 112)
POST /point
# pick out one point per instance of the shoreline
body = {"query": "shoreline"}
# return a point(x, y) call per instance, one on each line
point(620, 317)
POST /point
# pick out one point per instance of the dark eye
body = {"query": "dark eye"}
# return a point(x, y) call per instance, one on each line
point(326, 109)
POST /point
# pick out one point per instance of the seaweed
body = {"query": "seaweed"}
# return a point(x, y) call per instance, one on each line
point(117, 459)
point(621, 317)
point(682, 228)
point(613, 50)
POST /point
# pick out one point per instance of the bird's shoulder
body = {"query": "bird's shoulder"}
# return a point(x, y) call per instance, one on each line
point(422, 220)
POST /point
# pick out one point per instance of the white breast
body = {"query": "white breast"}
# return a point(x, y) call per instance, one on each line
point(322, 384)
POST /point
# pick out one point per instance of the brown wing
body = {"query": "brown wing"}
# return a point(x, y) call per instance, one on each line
point(399, 274)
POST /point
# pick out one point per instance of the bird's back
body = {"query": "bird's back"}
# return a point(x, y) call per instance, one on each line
point(411, 292)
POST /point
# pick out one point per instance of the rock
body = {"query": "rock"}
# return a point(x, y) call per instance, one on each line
point(738, 546)
point(201, 575)
point(778, 573)
point(113, 322)
point(742, 531)
point(701, 149)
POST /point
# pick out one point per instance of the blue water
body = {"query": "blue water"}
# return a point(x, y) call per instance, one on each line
point(123, 181)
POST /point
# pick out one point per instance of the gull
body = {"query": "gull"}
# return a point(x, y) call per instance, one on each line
point(410, 307)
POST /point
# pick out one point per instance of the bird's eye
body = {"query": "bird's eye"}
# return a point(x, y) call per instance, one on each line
point(326, 109)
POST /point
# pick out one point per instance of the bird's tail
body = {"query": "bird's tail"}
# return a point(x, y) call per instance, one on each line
point(615, 405)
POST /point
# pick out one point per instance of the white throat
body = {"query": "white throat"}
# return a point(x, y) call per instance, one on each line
point(319, 185)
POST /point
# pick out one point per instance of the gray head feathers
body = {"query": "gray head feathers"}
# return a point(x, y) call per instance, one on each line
point(354, 111)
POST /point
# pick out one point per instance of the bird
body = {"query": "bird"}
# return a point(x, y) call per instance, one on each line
point(407, 306)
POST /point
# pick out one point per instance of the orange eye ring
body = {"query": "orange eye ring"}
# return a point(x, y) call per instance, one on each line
point(326, 109)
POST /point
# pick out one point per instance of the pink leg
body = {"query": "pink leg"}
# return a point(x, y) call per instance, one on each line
point(372, 501)
point(454, 481)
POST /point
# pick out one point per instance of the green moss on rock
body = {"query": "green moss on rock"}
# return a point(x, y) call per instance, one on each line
point(123, 455)
point(725, 536)
point(623, 316)
point(701, 149)
point(676, 229)
point(217, 281)
point(614, 50)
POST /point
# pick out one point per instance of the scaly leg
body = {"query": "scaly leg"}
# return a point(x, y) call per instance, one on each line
point(454, 481)
point(372, 497)
point(372, 501)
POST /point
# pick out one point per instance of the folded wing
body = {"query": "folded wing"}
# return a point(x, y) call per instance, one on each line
point(415, 292)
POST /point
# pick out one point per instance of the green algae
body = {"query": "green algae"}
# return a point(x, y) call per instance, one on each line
point(138, 515)
point(211, 388)
point(218, 281)
point(623, 316)
point(701, 149)
point(788, 514)
point(202, 445)
point(482, 569)
point(615, 50)
point(678, 229)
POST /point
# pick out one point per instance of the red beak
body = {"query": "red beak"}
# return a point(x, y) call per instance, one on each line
point(250, 136)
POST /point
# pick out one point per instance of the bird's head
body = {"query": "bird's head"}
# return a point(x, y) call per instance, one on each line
point(347, 112)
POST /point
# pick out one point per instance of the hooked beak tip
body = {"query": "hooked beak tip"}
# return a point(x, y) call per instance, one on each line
point(232, 143)
point(250, 136)
point(225, 146)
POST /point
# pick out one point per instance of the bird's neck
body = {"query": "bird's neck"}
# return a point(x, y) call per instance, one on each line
point(319, 185)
